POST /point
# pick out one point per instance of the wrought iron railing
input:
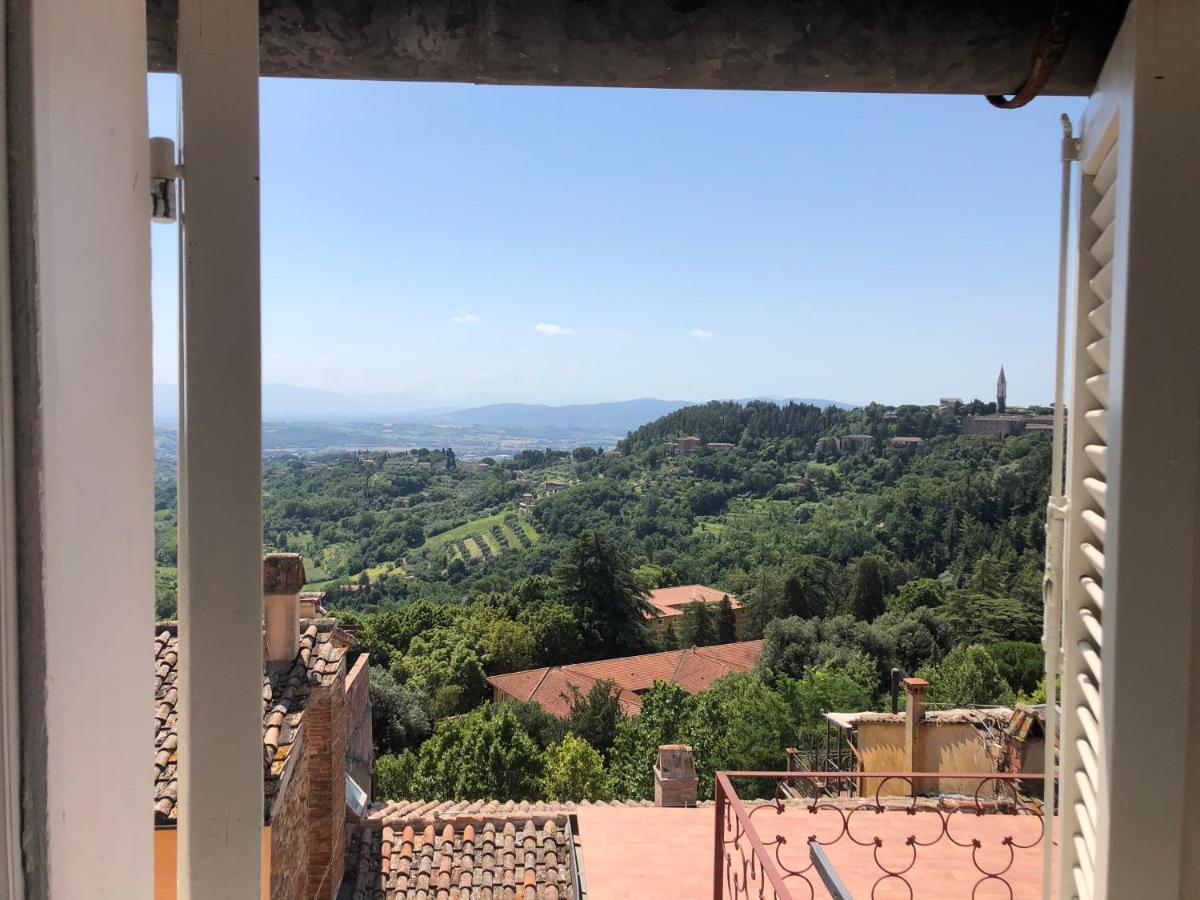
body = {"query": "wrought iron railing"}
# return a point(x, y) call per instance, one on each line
point(876, 835)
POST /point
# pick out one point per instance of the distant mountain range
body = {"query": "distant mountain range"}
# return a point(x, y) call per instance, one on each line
point(289, 403)
point(617, 418)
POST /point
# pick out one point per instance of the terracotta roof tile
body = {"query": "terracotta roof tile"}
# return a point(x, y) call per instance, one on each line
point(515, 857)
point(285, 692)
point(693, 670)
point(670, 601)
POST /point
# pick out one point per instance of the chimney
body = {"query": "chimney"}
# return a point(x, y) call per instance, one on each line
point(675, 776)
point(914, 717)
point(283, 576)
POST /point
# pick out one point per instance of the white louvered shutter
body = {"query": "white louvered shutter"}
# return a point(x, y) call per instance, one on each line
point(1127, 807)
point(1084, 599)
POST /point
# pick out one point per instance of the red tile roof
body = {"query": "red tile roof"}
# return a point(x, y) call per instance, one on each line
point(671, 601)
point(693, 670)
point(511, 857)
point(285, 693)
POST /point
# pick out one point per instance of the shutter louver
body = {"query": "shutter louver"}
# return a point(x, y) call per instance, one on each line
point(1088, 524)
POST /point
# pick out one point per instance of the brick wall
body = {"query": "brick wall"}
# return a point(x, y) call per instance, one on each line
point(360, 741)
point(289, 828)
point(325, 724)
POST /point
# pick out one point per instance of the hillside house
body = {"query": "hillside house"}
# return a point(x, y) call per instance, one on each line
point(719, 446)
point(944, 742)
point(669, 604)
point(905, 444)
point(685, 446)
point(850, 442)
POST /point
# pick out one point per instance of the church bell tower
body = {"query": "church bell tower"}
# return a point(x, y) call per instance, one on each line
point(1001, 392)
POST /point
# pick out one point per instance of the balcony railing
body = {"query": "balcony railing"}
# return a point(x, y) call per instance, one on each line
point(878, 835)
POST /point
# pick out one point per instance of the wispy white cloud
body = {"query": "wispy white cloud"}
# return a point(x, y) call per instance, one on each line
point(553, 330)
point(466, 318)
point(699, 333)
point(617, 332)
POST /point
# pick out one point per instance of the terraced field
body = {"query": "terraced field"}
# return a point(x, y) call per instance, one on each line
point(488, 537)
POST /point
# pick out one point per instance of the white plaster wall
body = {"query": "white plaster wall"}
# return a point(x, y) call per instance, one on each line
point(96, 456)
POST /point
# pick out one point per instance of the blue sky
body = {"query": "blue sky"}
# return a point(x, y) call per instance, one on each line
point(558, 245)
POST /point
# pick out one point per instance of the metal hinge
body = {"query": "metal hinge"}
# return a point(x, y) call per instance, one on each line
point(165, 173)
point(1071, 145)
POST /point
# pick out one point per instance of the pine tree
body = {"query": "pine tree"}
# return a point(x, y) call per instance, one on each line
point(697, 625)
point(596, 578)
point(670, 640)
point(761, 612)
point(726, 623)
point(867, 588)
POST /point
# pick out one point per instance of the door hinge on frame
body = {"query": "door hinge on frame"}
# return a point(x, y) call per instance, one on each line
point(165, 173)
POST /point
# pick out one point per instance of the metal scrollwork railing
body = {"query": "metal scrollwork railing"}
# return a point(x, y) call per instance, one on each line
point(904, 834)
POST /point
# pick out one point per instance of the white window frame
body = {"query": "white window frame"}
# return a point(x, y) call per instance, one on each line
point(1147, 834)
point(82, 442)
point(220, 852)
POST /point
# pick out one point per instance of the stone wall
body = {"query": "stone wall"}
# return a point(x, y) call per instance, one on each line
point(360, 741)
point(289, 828)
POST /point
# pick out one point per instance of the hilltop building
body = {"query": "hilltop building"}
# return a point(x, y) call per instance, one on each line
point(905, 444)
point(1001, 392)
point(669, 604)
point(685, 446)
point(848, 442)
point(551, 687)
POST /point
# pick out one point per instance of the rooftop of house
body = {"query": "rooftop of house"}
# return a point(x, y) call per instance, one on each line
point(693, 670)
point(671, 601)
point(285, 693)
point(511, 856)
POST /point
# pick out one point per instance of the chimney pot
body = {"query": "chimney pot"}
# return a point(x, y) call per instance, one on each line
point(283, 577)
point(675, 776)
point(914, 715)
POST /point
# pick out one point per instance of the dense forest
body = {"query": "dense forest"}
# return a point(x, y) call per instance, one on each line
point(926, 558)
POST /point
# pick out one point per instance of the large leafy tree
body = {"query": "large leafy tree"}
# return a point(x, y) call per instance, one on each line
point(399, 717)
point(574, 771)
point(483, 754)
point(665, 710)
point(395, 776)
point(812, 588)
point(967, 676)
point(595, 715)
point(596, 581)
point(1021, 663)
point(558, 637)
point(443, 666)
point(740, 723)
